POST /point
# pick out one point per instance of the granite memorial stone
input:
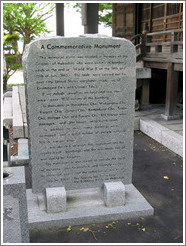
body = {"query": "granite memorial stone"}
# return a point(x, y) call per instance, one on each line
point(80, 104)
point(80, 95)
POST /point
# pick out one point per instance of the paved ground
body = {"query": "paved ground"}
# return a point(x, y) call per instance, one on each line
point(157, 174)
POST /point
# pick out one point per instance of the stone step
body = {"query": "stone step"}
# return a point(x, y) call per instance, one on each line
point(162, 134)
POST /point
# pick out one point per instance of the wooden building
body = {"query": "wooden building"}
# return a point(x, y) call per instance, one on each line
point(157, 31)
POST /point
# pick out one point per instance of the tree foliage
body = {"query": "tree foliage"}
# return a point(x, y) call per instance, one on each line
point(11, 58)
point(10, 42)
point(26, 19)
point(105, 14)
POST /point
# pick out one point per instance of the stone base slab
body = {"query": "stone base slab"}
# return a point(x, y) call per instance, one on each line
point(85, 207)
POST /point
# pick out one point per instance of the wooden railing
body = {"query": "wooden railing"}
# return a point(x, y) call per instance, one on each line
point(139, 42)
point(150, 47)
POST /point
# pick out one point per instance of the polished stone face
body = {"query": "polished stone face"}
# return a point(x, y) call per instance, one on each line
point(80, 95)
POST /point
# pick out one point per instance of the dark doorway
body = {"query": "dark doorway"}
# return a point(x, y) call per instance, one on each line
point(158, 86)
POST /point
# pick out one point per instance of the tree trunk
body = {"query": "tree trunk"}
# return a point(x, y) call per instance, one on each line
point(4, 86)
point(27, 40)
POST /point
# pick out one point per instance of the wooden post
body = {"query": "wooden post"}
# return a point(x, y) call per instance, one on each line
point(174, 48)
point(145, 92)
point(90, 17)
point(171, 92)
point(60, 19)
point(150, 18)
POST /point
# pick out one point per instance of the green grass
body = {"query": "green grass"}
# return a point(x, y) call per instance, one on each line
point(15, 84)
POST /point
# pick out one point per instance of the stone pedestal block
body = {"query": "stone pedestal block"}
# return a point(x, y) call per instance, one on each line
point(56, 199)
point(114, 194)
